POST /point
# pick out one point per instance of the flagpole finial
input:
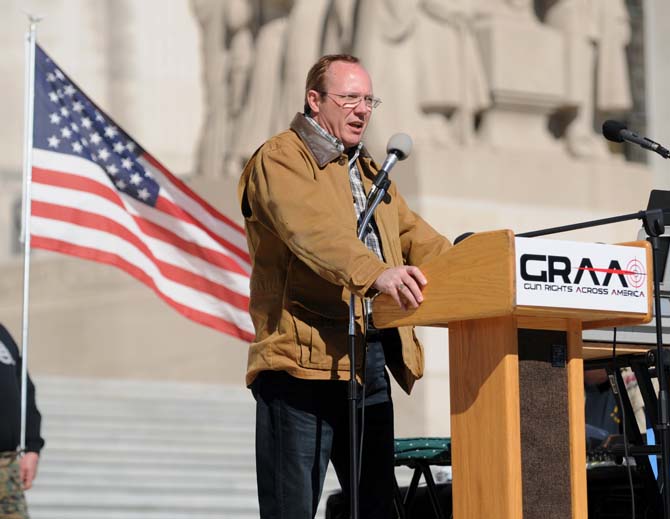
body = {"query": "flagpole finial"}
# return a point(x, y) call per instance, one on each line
point(34, 19)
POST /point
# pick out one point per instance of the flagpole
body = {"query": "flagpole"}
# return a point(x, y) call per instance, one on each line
point(29, 108)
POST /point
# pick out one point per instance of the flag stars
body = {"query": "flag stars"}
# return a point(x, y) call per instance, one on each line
point(136, 179)
point(111, 131)
point(103, 154)
point(83, 131)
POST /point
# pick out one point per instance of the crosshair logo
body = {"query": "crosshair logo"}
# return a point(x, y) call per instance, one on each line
point(635, 274)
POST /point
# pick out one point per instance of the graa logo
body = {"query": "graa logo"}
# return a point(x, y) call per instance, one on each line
point(548, 269)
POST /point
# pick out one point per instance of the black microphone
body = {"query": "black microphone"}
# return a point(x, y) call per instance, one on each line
point(398, 148)
point(616, 131)
point(462, 237)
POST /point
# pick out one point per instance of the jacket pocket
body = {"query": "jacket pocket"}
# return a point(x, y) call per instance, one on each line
point(323, 344)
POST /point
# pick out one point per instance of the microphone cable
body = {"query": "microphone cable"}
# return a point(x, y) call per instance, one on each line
point(363, 380)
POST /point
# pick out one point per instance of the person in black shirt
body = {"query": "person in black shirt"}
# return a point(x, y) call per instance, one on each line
point(16, 473)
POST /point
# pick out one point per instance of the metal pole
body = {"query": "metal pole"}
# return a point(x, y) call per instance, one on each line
point(583, 225)
point(354, 462)
point(354, 498)
point(29, 107)
point(663, 418)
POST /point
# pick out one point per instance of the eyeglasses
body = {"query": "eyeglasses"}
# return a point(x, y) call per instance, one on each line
point(353, 100)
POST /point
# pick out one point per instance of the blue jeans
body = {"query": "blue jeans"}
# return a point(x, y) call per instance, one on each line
point(300, 426)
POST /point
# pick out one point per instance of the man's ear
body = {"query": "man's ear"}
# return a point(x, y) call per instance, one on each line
point(313, 99)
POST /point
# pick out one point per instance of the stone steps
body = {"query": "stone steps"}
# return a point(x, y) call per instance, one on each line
point(121, 449)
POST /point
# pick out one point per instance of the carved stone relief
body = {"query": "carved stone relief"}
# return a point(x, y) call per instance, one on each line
point(445, 42)
point(227, 55)
point(596, 33)
point(449, 72)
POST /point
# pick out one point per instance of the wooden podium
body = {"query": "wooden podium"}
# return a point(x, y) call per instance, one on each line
point(516, 379)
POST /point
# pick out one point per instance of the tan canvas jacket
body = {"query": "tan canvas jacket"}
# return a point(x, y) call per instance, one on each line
point(306, 258)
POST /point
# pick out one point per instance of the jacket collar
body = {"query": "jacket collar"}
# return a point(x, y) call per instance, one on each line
point(323, 147)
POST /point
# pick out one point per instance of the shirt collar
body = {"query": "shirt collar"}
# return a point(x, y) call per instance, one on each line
point(324, 146)
point(330, 138)
point(352, 152)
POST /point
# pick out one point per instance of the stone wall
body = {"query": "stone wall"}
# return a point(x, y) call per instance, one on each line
point(497, 147)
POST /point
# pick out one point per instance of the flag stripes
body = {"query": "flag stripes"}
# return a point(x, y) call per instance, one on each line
point(203, 317)
point(78, 212)
point(183, 203)
point(157, 230)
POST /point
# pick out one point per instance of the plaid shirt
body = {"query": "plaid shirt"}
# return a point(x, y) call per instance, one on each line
point(372, 237)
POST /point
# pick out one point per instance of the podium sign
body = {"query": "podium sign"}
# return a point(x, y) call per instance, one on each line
point(567, 274)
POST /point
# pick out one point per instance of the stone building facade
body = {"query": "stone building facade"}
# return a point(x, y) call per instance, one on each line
point(503, 98)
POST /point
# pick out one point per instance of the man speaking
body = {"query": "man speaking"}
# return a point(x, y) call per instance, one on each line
point(302, 194)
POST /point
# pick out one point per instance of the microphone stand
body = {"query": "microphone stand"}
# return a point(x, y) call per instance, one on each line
point(648, 216)
point(652, 220)
point(377, 198)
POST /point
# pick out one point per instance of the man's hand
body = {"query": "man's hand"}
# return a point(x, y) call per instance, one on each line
point(28, 468)
point(403, 284)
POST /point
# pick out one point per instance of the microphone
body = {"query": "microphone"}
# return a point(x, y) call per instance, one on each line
point(616, 131)
point(462, 237)
point(398, 148)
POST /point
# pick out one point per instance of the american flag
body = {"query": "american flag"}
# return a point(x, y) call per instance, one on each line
point(97, 194)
